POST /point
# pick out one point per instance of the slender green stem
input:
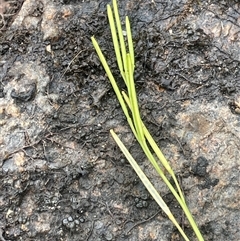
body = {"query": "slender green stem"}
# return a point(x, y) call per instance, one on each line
point(120, 34)
point(159, 154)
point(156, 149)
point(116, 43)
point(130, 42)
point(114, 84)
point(133, 100)
point(151, 189)
point(126, 65)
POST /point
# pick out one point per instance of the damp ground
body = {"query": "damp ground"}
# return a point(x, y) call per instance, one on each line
point(62, 176)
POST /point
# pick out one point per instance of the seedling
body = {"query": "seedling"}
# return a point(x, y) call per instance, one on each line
point(129, 105)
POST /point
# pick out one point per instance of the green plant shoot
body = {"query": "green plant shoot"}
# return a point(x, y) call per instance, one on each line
point(129, 105)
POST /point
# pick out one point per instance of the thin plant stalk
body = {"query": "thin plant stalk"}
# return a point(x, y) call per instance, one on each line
point(118, 53)
point(120, 35)
point(130, 42)
point(151, 189)
point(130, 122)
point(130, 81)
point(160, 172)
point(126, 65)
point(158, 152)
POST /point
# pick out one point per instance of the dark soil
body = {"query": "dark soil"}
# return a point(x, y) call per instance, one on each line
point(62, 176)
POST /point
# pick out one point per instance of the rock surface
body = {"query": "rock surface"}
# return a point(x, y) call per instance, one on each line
point(62, 176)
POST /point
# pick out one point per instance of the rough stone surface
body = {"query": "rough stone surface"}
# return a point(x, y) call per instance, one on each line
point(62, 176)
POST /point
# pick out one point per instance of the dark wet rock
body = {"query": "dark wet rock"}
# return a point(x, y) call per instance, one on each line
point(235, 106)
point(200, 168)
point(1, 93)
point(62, 176)
point(27, 95)
point(208, 183)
